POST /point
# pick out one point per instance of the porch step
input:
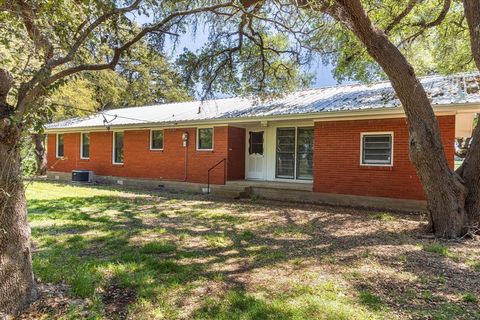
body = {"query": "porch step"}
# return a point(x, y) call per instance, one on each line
point(227, 193)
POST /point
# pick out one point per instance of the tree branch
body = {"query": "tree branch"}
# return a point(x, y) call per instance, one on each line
point(29, 91)
point(427, 25)
point(401, 16)
point(83, 35)
point(41, 42)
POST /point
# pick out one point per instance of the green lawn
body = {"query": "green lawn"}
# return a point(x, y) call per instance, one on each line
point(103, 253)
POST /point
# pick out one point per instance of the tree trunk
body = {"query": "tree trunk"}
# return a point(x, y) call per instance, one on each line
point(17, 286)
point(443, 188)
point(470, 169)
point(40, 154)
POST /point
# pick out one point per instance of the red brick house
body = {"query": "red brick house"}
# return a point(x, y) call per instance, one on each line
point(344, 140)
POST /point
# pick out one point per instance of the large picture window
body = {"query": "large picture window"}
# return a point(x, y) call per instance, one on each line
point(156, 140)
point(377, 149)
point(294, 153)
point(118, 147)
point(205, 139)
point(60, 146)
point(85, 146)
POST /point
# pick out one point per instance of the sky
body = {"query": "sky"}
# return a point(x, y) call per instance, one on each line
point(322, 73)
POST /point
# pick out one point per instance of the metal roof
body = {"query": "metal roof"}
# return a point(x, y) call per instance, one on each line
point(442, 90)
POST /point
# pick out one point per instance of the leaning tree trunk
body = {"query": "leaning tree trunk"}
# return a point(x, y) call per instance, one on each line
point(443, 188)
point(40, 154)
point(470, 169)
point(17, 286)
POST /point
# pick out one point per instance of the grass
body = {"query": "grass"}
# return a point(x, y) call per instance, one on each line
point(159, 247)
point(383, 216)
point(436, 248)
point(371, 300)
point(182, 256)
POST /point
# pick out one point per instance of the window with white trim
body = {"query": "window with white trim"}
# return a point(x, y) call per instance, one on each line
point(294, 153)
point(156, 140)
point(60, 146)
point(377, 149)
point(205, 139)
point(118, 147)
point(85, 146)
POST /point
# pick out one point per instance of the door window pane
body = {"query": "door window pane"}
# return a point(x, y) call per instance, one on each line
point(305, 153)
point(285, 153)
point(256, 143)
point(85, 146)
point(118, 147)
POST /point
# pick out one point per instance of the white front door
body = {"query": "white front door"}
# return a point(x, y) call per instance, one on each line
point(255, 154)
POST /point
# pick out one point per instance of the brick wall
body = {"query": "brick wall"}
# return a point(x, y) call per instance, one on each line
point(337, 159)
point(141, 162)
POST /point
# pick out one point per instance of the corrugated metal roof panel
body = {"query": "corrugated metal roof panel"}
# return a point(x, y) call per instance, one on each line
point(456, 89)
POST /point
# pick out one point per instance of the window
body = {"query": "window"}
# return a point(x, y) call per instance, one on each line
point(85, 146)
point(376, 149)
point(205, 139)
point(156, 140)
point(285, 153)
point(256, 143)
point(295, 153)
point(118, 147)
point(60, 146)
point(305, 153)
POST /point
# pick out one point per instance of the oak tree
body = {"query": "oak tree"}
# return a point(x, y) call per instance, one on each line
point(51, 43)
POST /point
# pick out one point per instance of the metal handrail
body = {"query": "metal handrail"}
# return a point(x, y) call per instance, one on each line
point(224, 173)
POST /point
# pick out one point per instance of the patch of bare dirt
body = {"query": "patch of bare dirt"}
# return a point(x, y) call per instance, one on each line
point(117, 299)
point(53, 302)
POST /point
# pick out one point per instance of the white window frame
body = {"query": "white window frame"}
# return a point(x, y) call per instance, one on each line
point(151, 140)
point(376, 134)
point(56, 146)
point(198, 138)
point(113, 146)
point(81, 146)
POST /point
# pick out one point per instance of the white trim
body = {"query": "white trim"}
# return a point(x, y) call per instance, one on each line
point(378, 113)
point(113, 146)
point(248, 175)
point(151, 140)
point(373, 133)
point(56, 146)
point(81, 146)
point(197, 138)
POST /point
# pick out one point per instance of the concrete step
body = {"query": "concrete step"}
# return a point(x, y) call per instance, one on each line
point(226, 193)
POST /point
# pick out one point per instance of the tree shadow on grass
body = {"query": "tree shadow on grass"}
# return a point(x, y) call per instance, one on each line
point(88, 241)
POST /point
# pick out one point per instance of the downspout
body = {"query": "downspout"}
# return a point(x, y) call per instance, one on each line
point(186, 162)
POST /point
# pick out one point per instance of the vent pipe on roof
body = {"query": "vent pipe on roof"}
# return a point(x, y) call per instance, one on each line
point(199, 110)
